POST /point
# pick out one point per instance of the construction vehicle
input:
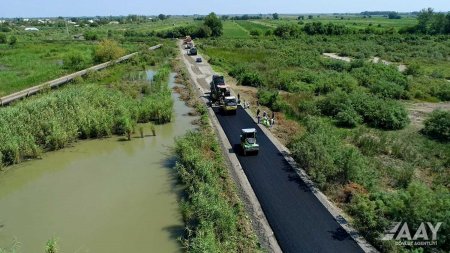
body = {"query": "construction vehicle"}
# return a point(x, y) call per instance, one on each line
point(189, 45)
point(248, 141)
point(229, 105)
point(218, 89)
point(187, 40)
point(192, 51)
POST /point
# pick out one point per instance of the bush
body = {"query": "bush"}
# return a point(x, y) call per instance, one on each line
point(388, 90)
point(12, 40)
point(287, 30)
point(91, 35)
point(348, 117)
point(267, 97)
point(438, 125)
point(255, 33)
point(327, 159)
point(380, 113)
point(107, 50)
point(3, 39)
point(250, 79)
point(74, 61)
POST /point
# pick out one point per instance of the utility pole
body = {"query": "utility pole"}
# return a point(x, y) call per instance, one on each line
point(67, 29)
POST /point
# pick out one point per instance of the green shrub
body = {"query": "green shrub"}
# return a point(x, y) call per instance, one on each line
point(255, 33)
point(267, 97)
point(287, 30)
point(91, 35)
point(12, 40)
point(107, 50)
point(327, 159)
point(380, 113)
point(3, 38)
point(250, 79)
point(308, 107)
point(388, 90)
point(437, 125)
point(74, 61)
point(348, 117)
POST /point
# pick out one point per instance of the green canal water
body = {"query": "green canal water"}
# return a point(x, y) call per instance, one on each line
point(101, 196)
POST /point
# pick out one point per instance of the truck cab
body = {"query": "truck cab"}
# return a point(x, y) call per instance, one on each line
point(248, 141)
point(229, 105)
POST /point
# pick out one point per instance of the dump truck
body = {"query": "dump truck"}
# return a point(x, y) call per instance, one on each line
point(189, 45)
point(219, 90)
point(248, 141)
point(229, 105)
point(187, 40)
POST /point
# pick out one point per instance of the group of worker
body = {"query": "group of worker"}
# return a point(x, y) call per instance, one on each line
point(264, 120)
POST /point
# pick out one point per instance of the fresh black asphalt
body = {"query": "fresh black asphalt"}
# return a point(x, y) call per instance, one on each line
point(299, 220)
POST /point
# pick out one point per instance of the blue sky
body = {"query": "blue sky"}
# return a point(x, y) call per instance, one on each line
point(50, 8)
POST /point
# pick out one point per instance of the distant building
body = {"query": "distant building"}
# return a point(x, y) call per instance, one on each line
point(114, 22)
point(71, 23)
point(91, 21)
point(32, 29)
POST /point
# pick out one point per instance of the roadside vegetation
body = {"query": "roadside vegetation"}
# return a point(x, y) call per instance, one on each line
point(214, 216)
point(357, 144)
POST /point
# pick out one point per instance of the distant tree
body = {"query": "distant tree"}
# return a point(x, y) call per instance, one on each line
point(214, 23)
point(394, 15)
point(424, 19)
point(275, 16)
point(310, 17)
point(301, 17)
point(225, 17)
point(162, 16)
point(3, 39)
point(12, 40)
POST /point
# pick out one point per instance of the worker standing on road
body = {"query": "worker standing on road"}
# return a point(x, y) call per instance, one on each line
point(264, 114)
point(239, 98)
point(257, 115)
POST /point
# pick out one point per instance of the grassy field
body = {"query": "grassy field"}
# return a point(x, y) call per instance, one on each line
point(41, 56)
point(356, 143)
point(233, 29)
point(353, 21)
point(28, 64)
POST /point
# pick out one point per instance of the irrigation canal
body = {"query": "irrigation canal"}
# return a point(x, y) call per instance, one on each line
point(102, 196)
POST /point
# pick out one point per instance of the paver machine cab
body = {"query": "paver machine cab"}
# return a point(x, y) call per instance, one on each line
point(248, 141)
point(229, 105)
point(218, 89)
